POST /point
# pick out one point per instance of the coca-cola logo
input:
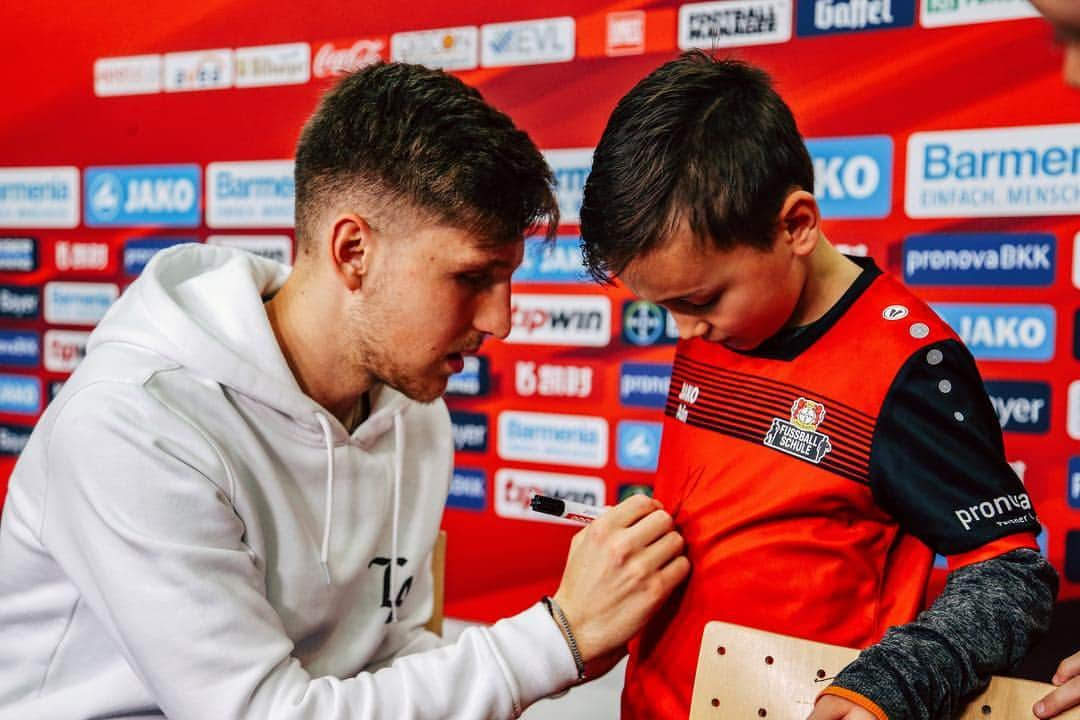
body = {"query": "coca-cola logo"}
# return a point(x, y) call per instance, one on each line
point(331, 60)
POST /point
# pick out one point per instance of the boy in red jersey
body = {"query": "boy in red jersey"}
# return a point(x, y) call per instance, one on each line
point(825, 432)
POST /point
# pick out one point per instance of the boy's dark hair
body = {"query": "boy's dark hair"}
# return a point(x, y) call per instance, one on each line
point(402, 133)
point(703, 140)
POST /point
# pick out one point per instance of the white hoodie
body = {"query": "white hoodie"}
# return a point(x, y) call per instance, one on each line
point(187, 533)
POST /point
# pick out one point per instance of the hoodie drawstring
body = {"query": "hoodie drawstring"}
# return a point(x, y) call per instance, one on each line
point(399, 461)
point(328, 515)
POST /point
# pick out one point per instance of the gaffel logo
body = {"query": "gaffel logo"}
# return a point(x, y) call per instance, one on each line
point(19, 303)
point(853, 175)
point(625, 33)
point(468, 489)
point(799, 436)
point(571, 167)
point(198, 70)
point(939, 13)
point(250, 194)
point(559, 439)
point(733, 23)
point(474, 379)
point(133, 75)
point(20, 348)
point(70, 303)
point(526, 43)
point(13, 439)
point(278, 248)
point(470, 431)
point(582, 320)
point(1020, 406)
point(137, 253)
point(514, 490)
point(18, 254)
point(555, 380)
point(20, 394)
point(982, 259)
point(71, 256)
point(288, 64)
point(64, 349)
point(40, 197)
point(644, 384)
point(999, 172)
point(331, 60)
point(143, 195)
point(645, 323)
point(447, 49)
point(1003, 332)
point(558, 262)
point(826, 17)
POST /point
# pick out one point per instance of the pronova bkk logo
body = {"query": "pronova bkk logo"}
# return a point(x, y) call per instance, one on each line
point(527, 42)
point(644, 384)
point(581, 320)
point(468, 489)
point(1003, 332)
point(39, 197)
point(579, 440)
point(250, 194)
point(514, 490)
point(137, 253)
point(571, 167)
point(853, 175)
point(143, 195)
point(998, 172)
point(980, 259)
point(734, 23)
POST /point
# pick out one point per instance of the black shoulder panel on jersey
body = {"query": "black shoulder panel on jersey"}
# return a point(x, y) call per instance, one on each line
point(937, 462)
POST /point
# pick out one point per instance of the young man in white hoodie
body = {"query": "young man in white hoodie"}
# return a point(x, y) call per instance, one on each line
point(228, 511)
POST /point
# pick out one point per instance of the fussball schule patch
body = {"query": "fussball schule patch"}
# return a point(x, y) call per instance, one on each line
point(799, 436)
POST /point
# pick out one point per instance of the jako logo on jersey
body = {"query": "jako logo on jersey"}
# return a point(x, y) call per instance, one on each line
point(514, 490)
point(39, 197)
point(250, 194)
point(645, 323)
point(1003, 332)
point(20, 348)
point(468, 489)
point(800, 437)
point(825, 17)
point(70, 303)
point(559, 439)
point(583, 320)
point(998, 172)
point(638, 445)
point(853, 175)
point(938, 13)
point(1020, 406)
point(999, 507)
point(571, 168)
point(13, 438)
point(19, 303)
point(18, 254)
point(143, 195)
point(64, 349)
point(555, 380)
point(470, 431)
point(447, 48)
point(20, 394)
point(138, 252)
point(734, 23)
point(558, 262)
point(988, 259)
point(644, 384)
point(526, 43)
point(473, 380)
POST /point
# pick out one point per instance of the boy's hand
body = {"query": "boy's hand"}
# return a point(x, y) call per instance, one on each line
point(831, 707)
point(1067, 678)
point(619, 570)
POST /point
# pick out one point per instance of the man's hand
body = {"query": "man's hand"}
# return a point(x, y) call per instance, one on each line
point(619, 570)
point(1067, 678)
point(831, 707)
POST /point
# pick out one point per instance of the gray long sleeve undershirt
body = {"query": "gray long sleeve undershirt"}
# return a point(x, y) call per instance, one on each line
point(985, 620)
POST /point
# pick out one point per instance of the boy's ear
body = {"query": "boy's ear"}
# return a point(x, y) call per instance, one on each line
point(800, 220)
point(352, 242)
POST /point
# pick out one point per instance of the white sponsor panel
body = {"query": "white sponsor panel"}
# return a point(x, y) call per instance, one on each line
point(940, 13)
point(288, 64)
point(132, 75)
point(39, 197)
point(260, 193)
point(529, 42)
point(625, 33)
point(514, 490)
point(1076, 262)
point(579, 440)
point(1073, 423)
point(64, 349)
point(198, 70)
point(997, 172)
point(330, 60)
point(571, 168)
point(72, 255)
point(734, 23)
point(581, 320)
point(77, 303)
point(273, 247)
point(447, 48)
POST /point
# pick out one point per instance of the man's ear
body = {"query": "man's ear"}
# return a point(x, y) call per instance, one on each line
point(352, 243)
point(800, 219)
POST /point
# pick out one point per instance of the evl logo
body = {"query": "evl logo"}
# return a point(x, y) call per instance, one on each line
point(161, 195)
point(468, 489)
point(853, 175)
point(638, 445)
point(1020, 406)
point(1003, 332)
point(470, 431)
point(645, 323)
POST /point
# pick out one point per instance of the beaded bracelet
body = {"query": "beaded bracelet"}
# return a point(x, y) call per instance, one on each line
point(557, 614)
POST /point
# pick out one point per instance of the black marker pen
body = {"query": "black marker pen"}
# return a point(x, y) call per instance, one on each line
point(566, 509)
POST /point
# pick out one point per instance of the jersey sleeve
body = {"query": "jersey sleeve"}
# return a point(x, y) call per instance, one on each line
point(938, 465)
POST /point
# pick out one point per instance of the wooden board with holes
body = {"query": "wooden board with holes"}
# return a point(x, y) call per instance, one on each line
point(744, 673)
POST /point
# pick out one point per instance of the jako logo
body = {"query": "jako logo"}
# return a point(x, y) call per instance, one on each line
point(1003, 332)
point(638, 445)
point(554, 380)
point(514, 490)
point(560, 439)
point(645, 323)
point(250, 194)
point(1020, 406)
point(473, 380)
point(999, 172)
point(20, 348)
point(143, 195)
point(19, 303)
point(824, 17)
point(734, 23)
point(583, 320)
point(468, 489)
point(526, 43)
point(990, 259)
point(18, 254)
point(853, 175)
point(644, 384)
point(20, 394)
point(556, 262)
point(470, 431)
point(571, 167)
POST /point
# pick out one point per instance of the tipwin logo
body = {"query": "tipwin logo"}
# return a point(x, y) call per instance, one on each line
point(582, 320)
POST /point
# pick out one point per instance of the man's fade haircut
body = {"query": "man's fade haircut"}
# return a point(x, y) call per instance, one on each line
point(702, 140)
point(403, 134)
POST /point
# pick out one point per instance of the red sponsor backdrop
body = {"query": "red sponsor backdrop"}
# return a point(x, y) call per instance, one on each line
point(884, 82)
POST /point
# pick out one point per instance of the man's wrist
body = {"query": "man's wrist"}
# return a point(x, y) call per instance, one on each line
point(560, 619)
